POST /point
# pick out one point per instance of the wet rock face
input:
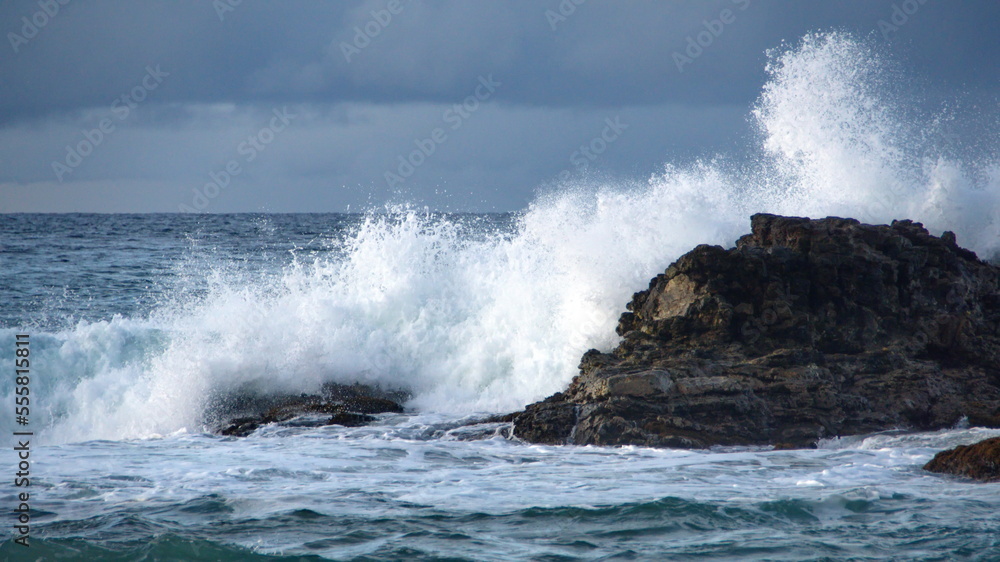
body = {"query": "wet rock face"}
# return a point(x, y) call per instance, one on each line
point(806, 329)
point(243, 413)
point(980, 461)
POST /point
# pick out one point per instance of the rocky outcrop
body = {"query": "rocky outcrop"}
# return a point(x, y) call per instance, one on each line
point(980, 461)
point(241, 413)
point(806, 329)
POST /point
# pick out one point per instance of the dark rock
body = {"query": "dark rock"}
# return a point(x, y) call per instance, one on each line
point(806, 329)
point(241, 427)
point(369, 405)
point(500, 418)
point(980, 461)
point(241, 413)
point(350, 419)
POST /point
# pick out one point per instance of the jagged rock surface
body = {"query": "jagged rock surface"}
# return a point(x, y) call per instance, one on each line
point(980, 461)
point(242, 413)
point(806, 329)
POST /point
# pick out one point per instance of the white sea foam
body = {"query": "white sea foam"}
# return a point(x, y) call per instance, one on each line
point(474, 321)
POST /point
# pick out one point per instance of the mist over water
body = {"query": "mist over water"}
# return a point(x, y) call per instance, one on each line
point(487, 316)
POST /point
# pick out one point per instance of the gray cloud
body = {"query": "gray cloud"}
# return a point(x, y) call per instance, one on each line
point(355, 118)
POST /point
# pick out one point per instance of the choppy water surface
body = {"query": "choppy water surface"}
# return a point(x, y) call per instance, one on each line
point(408, 488)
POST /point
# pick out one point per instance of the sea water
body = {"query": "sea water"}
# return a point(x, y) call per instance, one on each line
point(138, 324)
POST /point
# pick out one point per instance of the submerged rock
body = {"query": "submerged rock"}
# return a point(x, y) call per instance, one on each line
point(980, 461)
point(806, 329)
point(240, 414)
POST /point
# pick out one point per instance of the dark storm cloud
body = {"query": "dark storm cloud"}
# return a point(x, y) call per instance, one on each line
point(564, 66)
point(606, 53)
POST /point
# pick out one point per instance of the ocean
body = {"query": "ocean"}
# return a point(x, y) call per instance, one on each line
point(138, 324)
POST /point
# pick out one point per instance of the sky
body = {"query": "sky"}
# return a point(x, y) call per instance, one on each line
point(307, 106)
